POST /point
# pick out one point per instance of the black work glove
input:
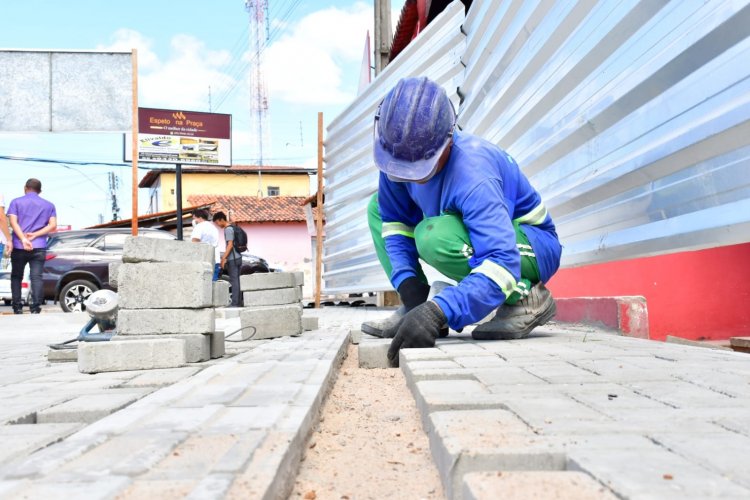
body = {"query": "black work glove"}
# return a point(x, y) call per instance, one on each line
point(419, 328)
point(413, 292)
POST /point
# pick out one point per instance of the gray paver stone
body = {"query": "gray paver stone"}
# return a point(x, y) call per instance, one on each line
point(62, 355)
point(277, 296)
point(88, 408)
point(271, 322)
point(218, 346)
point(309, 323)
point(197, 345)
point(269, 281)
point(374, 353)
point(166, 285)
point(144, 249)
point(220, 292)
point(520, 485)
point(95, 357)
point(114, 269)
point(158, 321)
point(481, 440)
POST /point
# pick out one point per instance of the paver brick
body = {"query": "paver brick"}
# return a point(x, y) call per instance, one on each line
point(480, 440)
point(271, 322)
point(197, 345)
point(144, 249)
point(89, 408)
point(218, 345)
point(520, 485)
point(269, 281)
point(166, 285)
point(95, 357)
point(309, 323)
point(374, 353)
point(444, 395)
point(220, 293)
point(159, 321)
point(62, 355)
point(23, 439)
point(277, 296)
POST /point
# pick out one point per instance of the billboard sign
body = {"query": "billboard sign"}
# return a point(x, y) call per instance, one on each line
point(183, 137)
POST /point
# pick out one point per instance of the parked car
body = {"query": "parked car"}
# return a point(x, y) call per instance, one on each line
point(78, 262)
point(5, 293)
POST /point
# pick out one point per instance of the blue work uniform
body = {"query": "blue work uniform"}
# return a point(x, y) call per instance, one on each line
point(484, 186)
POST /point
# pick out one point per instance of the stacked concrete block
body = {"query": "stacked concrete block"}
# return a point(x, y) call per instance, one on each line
point(221, 295)
point(166, 293)
point(272, 305)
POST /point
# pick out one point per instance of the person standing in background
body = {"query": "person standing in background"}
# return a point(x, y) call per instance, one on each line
point(232, 259)
point(205, 231)
point(32, 219)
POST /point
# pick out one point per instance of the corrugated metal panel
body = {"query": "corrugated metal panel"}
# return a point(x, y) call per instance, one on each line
point(65, 91)
point(631, 118)
point(350, 264)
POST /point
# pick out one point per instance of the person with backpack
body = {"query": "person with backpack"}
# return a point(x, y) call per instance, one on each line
point(231, 260)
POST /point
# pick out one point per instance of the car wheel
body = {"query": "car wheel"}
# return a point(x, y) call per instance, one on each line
point(6, 302)
point(74, 294)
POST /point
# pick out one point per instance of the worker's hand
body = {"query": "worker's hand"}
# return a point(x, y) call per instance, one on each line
point(413, 292)
point(223, 263)
point(419, 328)
point(27, 245)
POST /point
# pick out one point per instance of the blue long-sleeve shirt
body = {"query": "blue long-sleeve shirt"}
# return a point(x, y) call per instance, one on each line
point(484, 186)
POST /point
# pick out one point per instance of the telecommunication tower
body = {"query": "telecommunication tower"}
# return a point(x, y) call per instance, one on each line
point(259, 36)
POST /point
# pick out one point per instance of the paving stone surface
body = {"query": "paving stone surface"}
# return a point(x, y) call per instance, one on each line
point(570, 409)
point(638, 418)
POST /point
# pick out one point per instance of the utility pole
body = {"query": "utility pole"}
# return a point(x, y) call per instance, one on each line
point(383, 34)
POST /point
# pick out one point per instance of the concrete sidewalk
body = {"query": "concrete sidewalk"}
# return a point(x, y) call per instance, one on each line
point(580, 410)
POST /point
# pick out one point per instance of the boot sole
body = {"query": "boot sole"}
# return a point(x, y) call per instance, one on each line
point(546, 315)
point(372, 331)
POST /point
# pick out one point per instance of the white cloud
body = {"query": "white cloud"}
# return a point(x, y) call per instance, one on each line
point(182, 81)
point(307, 65)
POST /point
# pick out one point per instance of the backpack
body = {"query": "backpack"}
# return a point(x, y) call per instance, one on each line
point(240, 238)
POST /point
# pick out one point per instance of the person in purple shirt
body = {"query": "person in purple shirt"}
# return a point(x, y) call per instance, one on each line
point(31, 218)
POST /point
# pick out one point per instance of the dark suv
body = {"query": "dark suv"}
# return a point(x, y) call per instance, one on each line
point(78, 263)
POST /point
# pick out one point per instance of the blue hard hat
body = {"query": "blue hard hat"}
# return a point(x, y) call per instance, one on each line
point(413, 125)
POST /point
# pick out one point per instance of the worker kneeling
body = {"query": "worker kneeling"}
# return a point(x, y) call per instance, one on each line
point(462, 205)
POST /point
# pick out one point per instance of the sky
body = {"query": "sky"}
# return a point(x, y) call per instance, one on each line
point(311, 64)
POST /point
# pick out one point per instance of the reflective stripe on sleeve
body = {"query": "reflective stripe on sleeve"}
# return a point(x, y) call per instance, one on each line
point(394, 228)
point(498, 274)
point(535, 217)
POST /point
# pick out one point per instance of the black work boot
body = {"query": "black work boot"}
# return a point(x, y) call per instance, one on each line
point(516, 321)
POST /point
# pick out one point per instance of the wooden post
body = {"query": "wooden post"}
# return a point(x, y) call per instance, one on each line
point(319, 216)
point(134, 220)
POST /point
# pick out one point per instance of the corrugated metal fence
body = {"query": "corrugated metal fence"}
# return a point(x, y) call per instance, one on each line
point(631, 118)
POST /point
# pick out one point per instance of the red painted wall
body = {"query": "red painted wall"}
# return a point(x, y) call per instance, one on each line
point(700, 295)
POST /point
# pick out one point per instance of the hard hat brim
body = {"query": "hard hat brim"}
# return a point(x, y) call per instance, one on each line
point(404, 170)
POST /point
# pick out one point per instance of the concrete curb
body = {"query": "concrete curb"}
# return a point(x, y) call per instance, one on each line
point(626, 314)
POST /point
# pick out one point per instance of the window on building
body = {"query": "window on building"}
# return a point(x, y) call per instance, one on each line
point(274, 191)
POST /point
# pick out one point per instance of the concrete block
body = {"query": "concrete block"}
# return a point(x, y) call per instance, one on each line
point(520, 485)
point(95, 357)
point(62, 355)
point(271, 322)
point(197, 345)
point(459, 394)
point(221, 295)
point(309, 323)
point(88, 408)
point(166, 285)
point(228, 312)
point(218, 346)
point(277, 296)
point(268, 281)
point(355, 335)
point(374, 353)
point(481, 440)
point(143, 249)
point(114, 269)
point(160, 321)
